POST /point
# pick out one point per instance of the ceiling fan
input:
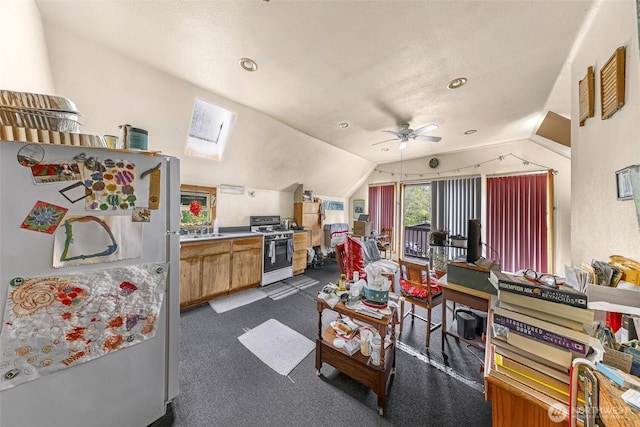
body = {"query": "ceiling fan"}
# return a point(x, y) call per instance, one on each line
point(406, 133)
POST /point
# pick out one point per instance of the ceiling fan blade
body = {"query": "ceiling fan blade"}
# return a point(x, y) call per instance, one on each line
point(427, 138)
point(392, 131)
point(381, 142)
point(426, 128)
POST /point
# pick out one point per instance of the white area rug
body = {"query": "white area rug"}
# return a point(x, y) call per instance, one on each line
point(279, 290)
point(301, 281)
point(229, 302)
point(290, 286)
point(278, 346)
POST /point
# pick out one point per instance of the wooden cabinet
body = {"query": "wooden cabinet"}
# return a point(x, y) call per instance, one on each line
point(307, 215)
point(314, 237)
point(246, 263)
point(299, 252)
point(211, 268)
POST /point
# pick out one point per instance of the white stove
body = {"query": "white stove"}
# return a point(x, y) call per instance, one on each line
point(277, 250)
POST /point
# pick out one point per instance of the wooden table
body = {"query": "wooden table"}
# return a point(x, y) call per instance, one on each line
point(358, 366)
point(466, 296)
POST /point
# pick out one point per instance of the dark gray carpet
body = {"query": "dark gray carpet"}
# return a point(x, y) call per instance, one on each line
point(223, 384)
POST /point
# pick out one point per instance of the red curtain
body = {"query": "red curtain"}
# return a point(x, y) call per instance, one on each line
point(382, 206)
point(517, 232)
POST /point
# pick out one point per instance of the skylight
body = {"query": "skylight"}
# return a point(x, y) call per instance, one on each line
point(210, 129)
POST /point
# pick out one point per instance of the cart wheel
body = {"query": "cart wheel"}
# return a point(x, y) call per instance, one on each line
point(393, 371)
point(381, 411)
point(318, 372)
point(446, 358)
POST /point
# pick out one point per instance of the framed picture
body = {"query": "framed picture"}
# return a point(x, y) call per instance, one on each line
point(333, 205)
point(623, 184)
point(358, 208)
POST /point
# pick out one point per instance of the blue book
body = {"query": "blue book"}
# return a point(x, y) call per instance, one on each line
point(619, 377)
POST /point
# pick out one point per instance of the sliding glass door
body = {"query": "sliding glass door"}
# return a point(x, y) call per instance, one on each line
point(416, 217)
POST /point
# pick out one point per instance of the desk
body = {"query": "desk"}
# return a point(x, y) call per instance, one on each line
point(513, 406)
point(613, 411)
point(469, 297)
point(357, 366)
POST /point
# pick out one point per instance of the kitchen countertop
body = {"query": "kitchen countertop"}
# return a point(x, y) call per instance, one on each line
point(220, 236)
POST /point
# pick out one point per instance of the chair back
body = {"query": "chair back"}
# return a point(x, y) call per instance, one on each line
point(340, 258)
point(415, 273)
point(389, 239)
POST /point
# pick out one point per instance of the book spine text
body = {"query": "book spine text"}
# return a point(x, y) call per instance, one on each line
point(541, 334)
point(553, 295)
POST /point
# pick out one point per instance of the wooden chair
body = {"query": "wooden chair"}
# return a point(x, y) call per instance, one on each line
point(385, 244)
point(416, 289)
point(340, 258)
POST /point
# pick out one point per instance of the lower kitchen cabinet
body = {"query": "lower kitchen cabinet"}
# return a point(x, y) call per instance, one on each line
point(315, 237)
point(246, 263)
point(299, 252)
point(211, 268)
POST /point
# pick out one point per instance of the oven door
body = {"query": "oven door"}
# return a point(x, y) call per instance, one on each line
point(276, 253)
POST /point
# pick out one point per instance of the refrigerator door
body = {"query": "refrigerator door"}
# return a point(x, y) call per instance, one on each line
point(127, 387)
point(173, 290)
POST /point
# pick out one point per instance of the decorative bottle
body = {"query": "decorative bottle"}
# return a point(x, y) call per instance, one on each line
point(342, 284)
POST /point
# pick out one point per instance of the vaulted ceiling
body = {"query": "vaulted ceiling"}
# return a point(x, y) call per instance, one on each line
point(372, 64)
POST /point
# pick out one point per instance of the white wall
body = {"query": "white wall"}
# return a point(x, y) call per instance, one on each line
point(24, 64)
point(601, 225)
point(109, 89)
point(464, 163)
point(263, 155)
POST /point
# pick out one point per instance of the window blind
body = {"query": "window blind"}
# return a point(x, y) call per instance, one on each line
point(453, 203)
point(381, 206)
point(517, 209)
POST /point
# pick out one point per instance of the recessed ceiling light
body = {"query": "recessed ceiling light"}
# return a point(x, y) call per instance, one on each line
point(248, 64)
point(343, 125)
point(457, 83)
point(384, 149)
point(470, 131)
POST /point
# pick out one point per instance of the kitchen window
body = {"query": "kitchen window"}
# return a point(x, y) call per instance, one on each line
point(197, 206)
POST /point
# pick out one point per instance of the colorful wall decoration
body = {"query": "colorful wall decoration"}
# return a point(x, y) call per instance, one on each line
point(56, 322)
point(44, 217)
point(92, 239)
point(112, 185)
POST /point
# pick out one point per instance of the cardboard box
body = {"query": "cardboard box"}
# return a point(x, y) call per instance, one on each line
point(361, 228)
point(471, 276)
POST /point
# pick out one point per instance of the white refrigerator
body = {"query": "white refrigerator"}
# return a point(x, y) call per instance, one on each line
point(88, 352)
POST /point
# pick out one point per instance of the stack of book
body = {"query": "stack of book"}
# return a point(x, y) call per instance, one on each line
point(537, 331)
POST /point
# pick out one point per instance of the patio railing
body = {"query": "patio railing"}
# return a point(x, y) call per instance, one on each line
point(416, 240)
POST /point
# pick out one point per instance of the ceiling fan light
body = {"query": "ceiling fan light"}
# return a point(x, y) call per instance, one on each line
point(403, 145)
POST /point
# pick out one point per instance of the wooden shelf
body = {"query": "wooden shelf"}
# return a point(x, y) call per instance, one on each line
point(357, 366)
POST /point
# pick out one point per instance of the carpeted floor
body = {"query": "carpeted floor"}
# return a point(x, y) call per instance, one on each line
point(223, 384)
